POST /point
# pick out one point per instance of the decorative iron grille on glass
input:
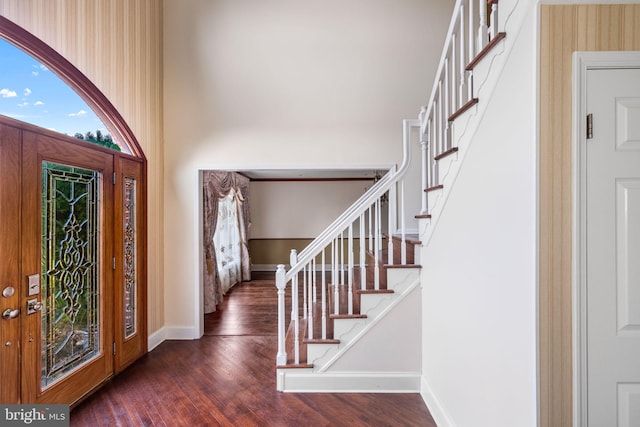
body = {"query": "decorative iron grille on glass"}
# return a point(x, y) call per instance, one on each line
point(70, 269)
point(129, 257)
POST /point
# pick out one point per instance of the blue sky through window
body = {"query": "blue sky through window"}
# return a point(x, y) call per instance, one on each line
point(30, 92)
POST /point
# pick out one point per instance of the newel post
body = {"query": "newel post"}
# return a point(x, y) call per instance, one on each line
point(281, 358)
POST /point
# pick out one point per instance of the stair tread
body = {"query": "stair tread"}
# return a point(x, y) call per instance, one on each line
point(375, 291)
point(448, 152)
point(434, 187)
point(321, 341)
point(348, 316)
point(293, 365)
point(402, 266)
point(460, 111)
point(485, 50)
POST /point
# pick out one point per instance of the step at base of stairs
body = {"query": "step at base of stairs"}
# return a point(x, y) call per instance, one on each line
point(308, 381)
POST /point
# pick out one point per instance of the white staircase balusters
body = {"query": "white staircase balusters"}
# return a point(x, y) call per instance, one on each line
point(469, 34)
point(446, 95)
point(312, 278)
point(376, 244)
point(324, 298)
point(309, 301)
point(462, 89)
point(453, 86)
point(483, 29)
point(370, 232)
point(424, 178)
point(304, 292)
point(440, 122)
point(472, 32)
point(304, 263)
point(342, 258)
point(363, 255)
point(493, 19)
point(281, 284)
point(336, 289)
point(392, 219)
point(294, 310)
point(350, 270)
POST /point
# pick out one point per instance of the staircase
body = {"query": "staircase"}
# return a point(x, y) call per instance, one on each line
point(330, 335)
point(354, 294)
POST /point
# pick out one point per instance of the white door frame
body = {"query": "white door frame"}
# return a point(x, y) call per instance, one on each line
point(583, 62)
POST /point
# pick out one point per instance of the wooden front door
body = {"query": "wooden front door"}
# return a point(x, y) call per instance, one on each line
point(70, 277)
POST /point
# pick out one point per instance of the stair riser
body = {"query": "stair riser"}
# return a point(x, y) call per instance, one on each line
point(300, 381)
point(349, 331)
point(397, 252)
point(318, 352)
point(401, 278)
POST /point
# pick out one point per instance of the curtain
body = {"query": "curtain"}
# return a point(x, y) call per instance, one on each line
point(225, 197)
point(226, 242)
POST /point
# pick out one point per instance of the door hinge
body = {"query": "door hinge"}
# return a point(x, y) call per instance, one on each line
point(114, 348)
point(114, 178)
point(589, 126)
point(113, 263)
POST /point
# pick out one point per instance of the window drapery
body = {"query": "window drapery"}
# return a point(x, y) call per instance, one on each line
point(226, 222)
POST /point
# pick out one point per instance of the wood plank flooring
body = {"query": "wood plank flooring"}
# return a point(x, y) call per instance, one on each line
point(227, 378)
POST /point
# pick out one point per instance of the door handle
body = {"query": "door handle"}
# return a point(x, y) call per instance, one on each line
point(10, 314)
point(33, 306)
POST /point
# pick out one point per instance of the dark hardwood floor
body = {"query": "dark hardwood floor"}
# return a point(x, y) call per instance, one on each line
point(227, 378)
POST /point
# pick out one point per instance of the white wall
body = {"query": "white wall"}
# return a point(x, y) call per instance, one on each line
point(479, 266)
point(282, 84)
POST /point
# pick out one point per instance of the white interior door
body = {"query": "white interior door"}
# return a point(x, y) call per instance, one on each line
point(613, 248)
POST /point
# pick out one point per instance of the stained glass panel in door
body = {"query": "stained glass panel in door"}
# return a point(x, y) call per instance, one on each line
point(70, 269)
point(129, 257)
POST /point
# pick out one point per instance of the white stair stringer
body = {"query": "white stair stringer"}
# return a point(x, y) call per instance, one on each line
point(326, 376)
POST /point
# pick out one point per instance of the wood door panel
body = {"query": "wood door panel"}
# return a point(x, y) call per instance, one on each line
point(130, 346)
point(23, 149)
point(10, 265)
point(81, 380)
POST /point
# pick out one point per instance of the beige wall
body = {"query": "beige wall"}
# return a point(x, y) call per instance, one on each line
point(299, 209)
point(564, 30)
point(118, 46)
point(276, 83)
point(283, 84)
point(278, 225)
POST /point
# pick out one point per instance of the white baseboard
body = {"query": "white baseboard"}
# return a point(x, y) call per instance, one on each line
point(266, 267)
point(181, 333)
point(170, 333)
point(306, 381)
point(156, 338)
point(435, 408)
